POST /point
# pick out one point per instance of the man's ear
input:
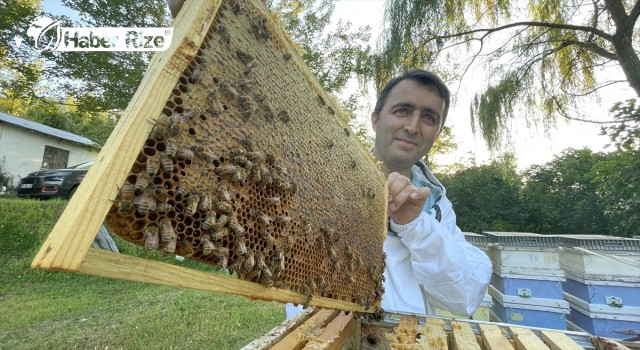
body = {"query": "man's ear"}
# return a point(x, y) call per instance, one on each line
point(374, 120)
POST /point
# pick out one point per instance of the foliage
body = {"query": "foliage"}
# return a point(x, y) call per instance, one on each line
point(60, 310)
point(486, 197)
point(561, 196)
point(626, 134)
point(331, 55)
point(544, 58)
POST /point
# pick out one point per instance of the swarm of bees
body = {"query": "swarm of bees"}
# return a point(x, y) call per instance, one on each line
point(204, 188)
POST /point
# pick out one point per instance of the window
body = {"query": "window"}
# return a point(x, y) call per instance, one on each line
point(54, 158)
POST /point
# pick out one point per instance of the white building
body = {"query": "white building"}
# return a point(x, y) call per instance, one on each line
point(27, 146)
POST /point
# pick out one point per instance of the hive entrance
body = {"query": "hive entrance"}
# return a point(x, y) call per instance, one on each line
point(246, 165)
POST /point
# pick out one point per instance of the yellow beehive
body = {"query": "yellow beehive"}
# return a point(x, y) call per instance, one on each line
point(232, 154)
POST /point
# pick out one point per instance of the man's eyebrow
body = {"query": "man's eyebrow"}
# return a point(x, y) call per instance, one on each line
point(411, 105)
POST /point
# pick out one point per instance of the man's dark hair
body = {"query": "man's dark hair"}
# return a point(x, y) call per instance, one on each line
point(423, 77)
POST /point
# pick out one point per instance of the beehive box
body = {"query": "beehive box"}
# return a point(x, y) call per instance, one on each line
point(526, 311)
point(603, 292)
point(528, 286)
point(604, 320)
point(601, 266)
point(524, 257)
point(230, 153)
point(328, 329)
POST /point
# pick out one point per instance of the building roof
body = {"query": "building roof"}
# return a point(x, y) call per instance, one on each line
point(47, 130)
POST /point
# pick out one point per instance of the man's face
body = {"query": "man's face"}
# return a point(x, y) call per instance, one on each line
point(408, 124)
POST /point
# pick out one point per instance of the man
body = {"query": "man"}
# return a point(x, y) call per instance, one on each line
point(429, 264)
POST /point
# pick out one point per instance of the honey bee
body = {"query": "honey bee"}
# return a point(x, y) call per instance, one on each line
point(160, 194)
point(263, 218)
point(359, 262)
point(286, 220)
point(127, 192)
point(166, 162)
point(240, 160)
point(273, 201)
point(248, 69)
point(220, 234)
point(145, 202)
point(226, 37)
point(204, 153)
point(222, 220)
point(184, 188)
point(163, 207)
point(153, 165)
point(266, 277)
point(185, 248)
point(351, 279)
point(235, 226)
point(265, 175)
point(245, 84)
point(222, 254)
point(229, 90)
point(142, 181)
point(247, 142)
point(223, 194)
point(265, 235)
point(192, 203)
point(168, 236)
point(245, 57)
point(256, 156)
point(152, 238)
point(176, 125)
point(311, 284)
point(353, 164)
point(277, 262)
point(288, 187)
point(207, 245)
point(332, 253)
point(254, 173)
point(331, 110)
point(210, 220)
point(236, 7)
point(241, 248)
point(224, 207)
point(205, 201)
point(196, 75)
point(227, 169)
point(260, 263)
point(322, 286)
point(286, 56)
point(161, 128)
point(237, 265)
point(193, 113)
point(214, 104)
point(346, 131)
point(171, 149)
point(124, 207)
point(185, 153)
point(240, 176)
point(284, 116)
point(238, 151)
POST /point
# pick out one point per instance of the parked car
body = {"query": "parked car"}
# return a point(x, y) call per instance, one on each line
point(54, 183)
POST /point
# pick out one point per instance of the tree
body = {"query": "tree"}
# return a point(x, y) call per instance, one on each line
point(486, 197)
point(562, 196)
point(543, 61)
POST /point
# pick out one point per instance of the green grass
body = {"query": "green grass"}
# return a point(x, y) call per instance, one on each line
point(60, 310)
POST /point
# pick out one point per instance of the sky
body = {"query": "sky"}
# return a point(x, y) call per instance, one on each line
point(531, 146)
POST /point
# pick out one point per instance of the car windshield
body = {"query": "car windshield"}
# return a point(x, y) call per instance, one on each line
point(85, 165)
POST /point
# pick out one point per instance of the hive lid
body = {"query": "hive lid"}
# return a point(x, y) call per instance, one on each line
point(231, 153)
point(601, 242)
point(521, 239)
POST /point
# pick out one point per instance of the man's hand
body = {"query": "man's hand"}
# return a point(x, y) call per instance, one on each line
point(405, 200)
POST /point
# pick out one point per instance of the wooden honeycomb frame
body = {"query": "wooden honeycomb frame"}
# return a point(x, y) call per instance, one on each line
point(341, 201)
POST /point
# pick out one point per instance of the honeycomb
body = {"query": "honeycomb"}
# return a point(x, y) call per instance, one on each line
point(251, 169)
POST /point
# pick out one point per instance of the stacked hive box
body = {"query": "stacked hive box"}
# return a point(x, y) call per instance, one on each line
point(482, 314)
point(603, 284)
point(526, 284)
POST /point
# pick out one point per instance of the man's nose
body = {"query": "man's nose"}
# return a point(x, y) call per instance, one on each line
point(411, 123)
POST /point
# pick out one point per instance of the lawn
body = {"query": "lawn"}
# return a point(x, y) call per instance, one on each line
point(60, 310)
